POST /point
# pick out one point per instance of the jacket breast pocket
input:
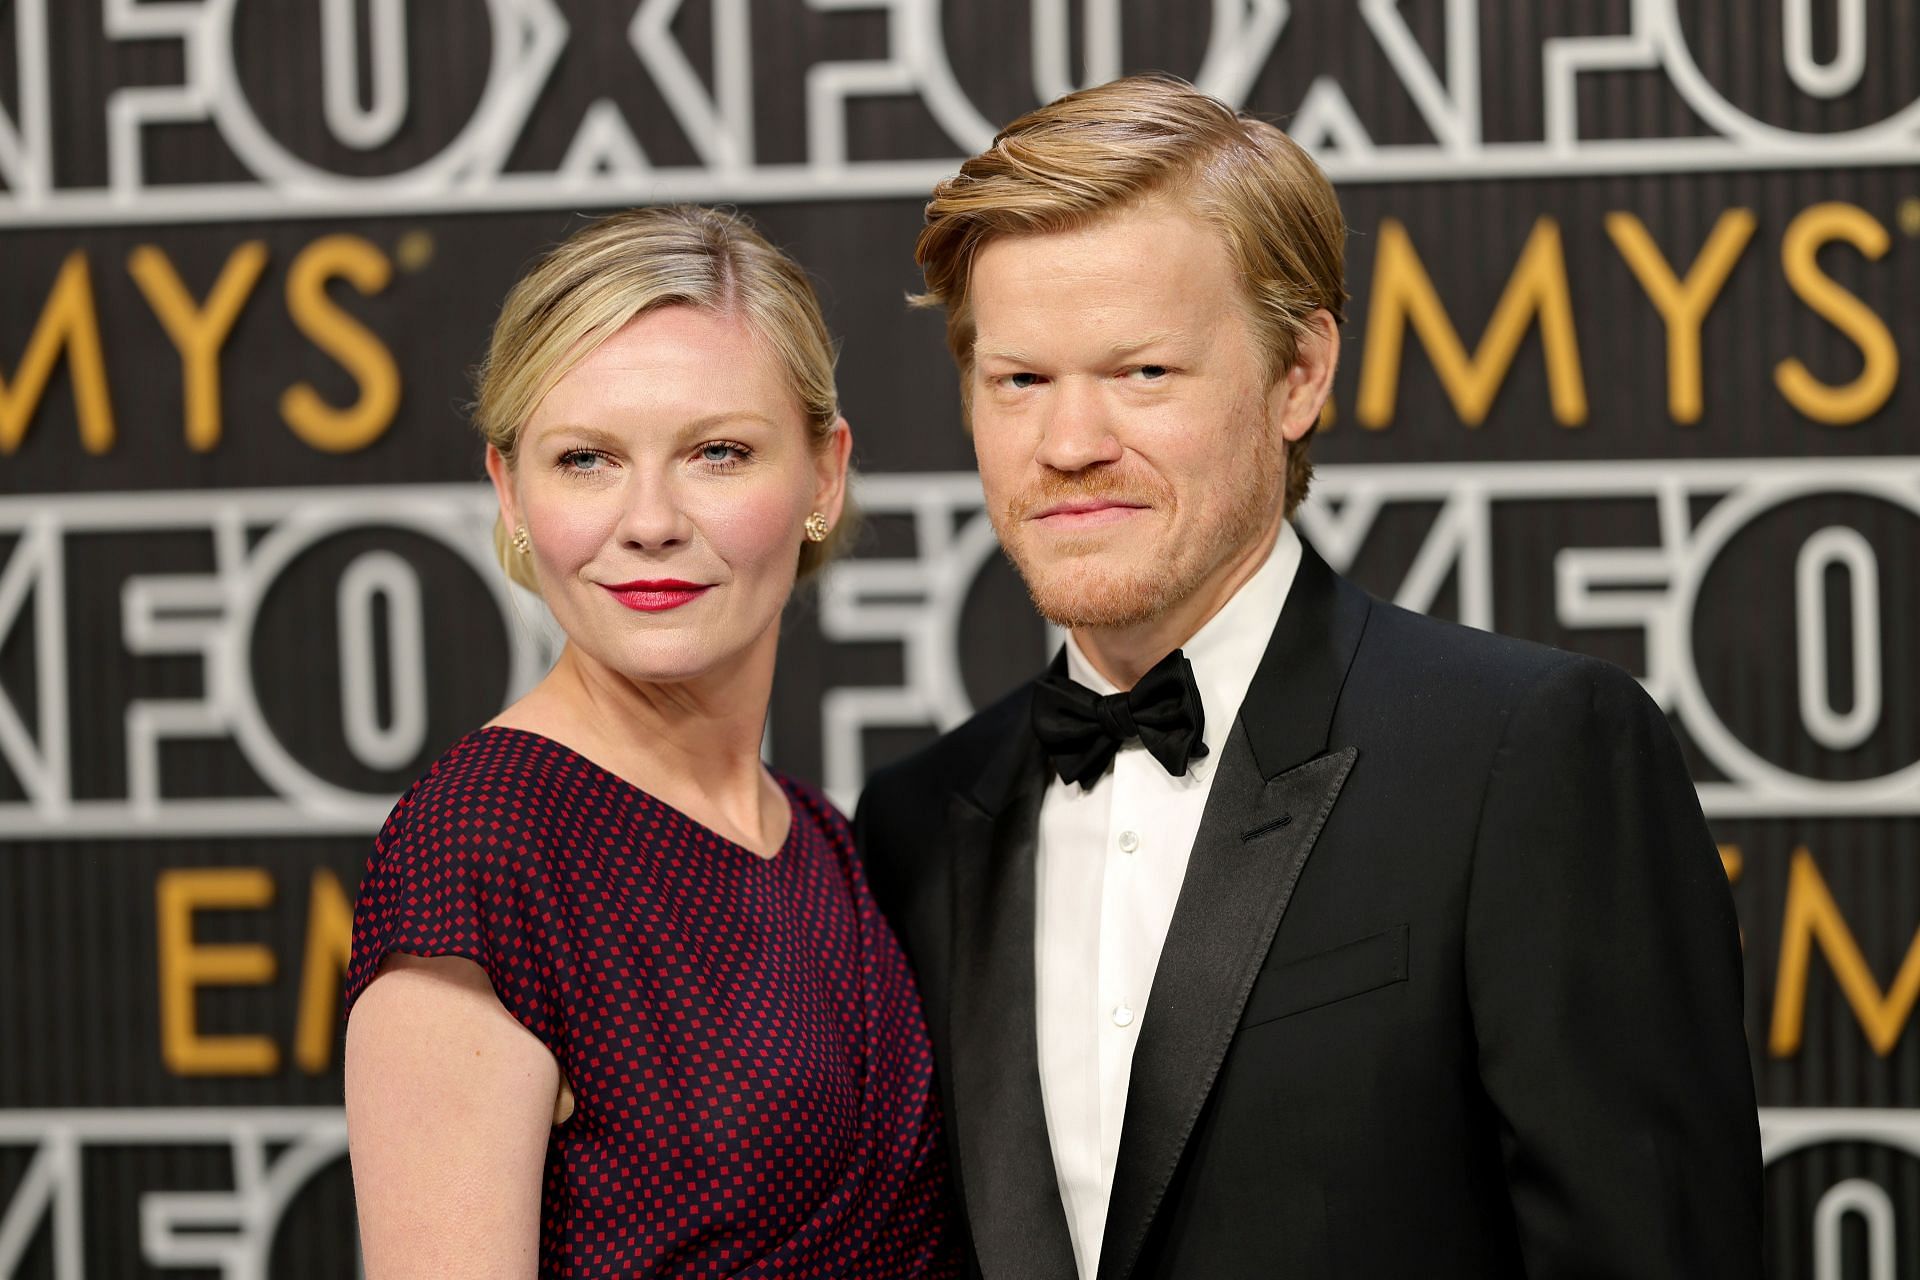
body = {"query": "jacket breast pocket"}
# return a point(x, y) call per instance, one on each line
point(1350, 969)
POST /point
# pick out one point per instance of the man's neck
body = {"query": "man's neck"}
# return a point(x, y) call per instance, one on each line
point(1124, 654)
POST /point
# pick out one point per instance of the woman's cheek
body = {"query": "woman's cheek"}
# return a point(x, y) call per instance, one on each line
point(757, 532)
point(567, 535)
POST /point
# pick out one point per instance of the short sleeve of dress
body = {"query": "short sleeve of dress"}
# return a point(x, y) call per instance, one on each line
point(461, 869)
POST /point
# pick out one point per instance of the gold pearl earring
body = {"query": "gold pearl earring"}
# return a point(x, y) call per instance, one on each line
point(521, 542)
point(817, 527)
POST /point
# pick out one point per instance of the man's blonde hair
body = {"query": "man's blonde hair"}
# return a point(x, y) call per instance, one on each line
point(607, 273)
point(1092, 153)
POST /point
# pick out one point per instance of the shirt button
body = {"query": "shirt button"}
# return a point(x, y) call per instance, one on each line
point(1129, 841)
point(1122, 1016)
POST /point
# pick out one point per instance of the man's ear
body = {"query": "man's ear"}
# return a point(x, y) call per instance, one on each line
point(830, 462)
point(1302, 391)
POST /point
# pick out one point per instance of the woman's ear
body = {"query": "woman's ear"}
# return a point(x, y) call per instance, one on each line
point(831, 461)
point(500, 471)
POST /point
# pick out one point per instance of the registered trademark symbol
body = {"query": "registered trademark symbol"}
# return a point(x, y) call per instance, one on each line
point(1910, 215)
point(415, 249)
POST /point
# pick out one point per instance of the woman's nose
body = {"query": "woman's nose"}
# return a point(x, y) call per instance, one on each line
point(652, 517)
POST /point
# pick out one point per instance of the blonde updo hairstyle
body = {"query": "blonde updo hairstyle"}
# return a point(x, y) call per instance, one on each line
point(605, 274)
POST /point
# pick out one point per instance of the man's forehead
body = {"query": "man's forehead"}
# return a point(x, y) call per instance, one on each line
point(1115, 313)
point(1152, 253)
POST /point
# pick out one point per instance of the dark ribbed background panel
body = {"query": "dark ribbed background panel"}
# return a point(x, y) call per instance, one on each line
point(242, 605)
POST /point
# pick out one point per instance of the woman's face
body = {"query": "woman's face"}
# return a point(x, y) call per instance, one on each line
point(664, 483)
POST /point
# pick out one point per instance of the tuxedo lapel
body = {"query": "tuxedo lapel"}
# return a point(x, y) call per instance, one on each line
point(1277, 783)
point(1253, 843)
point(1006, 1167)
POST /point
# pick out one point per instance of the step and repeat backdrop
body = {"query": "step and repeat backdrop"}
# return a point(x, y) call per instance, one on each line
point(1630, 368)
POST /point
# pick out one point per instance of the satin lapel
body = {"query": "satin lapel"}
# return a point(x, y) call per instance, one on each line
point(1252, 845)
point(1006, 1161)
point(1253, 842)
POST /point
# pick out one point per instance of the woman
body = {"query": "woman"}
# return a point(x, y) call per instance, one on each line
point(620, 1003)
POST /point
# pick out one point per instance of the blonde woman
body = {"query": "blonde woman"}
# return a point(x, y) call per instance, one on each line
point(620, 1003)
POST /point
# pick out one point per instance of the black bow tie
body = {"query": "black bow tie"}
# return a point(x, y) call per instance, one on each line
point(1083, 730)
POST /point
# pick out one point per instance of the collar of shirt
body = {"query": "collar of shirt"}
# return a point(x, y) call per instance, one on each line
point(1226, 651)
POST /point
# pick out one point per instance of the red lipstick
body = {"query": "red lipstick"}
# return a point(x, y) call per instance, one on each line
point(655, 595)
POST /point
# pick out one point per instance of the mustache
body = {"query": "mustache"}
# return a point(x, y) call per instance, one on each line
point(1096, 485)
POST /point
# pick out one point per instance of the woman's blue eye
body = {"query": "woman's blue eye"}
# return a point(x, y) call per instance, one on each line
point(581, 460)
point(720, 453)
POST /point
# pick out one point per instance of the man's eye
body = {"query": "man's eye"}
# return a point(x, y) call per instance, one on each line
point(1021, 381)
point(1152, 372)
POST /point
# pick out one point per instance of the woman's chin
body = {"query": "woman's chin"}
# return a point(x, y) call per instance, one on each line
point(679, 659)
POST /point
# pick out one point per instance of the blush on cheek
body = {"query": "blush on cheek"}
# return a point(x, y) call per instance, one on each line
point(757, 535)
point(566, 535)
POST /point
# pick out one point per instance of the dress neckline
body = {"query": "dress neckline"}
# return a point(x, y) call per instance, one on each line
point(780, 854)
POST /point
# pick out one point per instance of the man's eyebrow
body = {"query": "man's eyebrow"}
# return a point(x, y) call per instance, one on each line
point(1120, 349)
point(1133, 346)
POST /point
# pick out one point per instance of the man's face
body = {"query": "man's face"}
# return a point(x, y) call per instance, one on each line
point(1129, 437)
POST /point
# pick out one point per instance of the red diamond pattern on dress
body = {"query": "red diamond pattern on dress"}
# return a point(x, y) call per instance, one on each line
point(754, 1090)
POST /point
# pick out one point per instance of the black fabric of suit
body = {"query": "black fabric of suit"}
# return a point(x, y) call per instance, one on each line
point(1453, 985)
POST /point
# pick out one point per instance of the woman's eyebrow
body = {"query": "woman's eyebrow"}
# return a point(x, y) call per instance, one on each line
point(576, 430)
point(707, 421)
point(600, 436)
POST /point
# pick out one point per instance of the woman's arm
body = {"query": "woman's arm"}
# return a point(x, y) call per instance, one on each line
point(449, 1106)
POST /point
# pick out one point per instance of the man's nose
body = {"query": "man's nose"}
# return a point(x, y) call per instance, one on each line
point(1076, 430)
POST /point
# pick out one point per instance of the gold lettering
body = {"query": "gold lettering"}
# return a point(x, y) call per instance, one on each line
point(1403, 293)
point(362, 265)
point(1683, 304)
point(198, 333)
point(1844, 405)
point(1812, 915)
point(186, 966)
point(67, 322)
point(329, 943)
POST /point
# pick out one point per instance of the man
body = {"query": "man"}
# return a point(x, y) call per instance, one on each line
point(1277, 931)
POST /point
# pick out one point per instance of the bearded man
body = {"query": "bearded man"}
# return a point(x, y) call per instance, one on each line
point(1275, 930)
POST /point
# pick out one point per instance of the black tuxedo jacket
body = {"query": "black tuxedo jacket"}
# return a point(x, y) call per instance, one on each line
point(1453, 985)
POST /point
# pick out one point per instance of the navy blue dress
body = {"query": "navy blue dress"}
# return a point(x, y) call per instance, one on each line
point(754, 1091)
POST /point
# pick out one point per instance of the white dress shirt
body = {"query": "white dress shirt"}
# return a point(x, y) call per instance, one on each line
point(1110, 862)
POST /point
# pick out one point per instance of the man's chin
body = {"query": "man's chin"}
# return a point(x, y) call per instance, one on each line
point(1081, 594)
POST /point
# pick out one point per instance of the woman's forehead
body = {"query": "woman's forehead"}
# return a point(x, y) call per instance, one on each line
point(678, 367)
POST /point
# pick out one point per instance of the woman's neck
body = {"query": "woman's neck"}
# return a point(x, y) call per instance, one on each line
point(694, 744)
